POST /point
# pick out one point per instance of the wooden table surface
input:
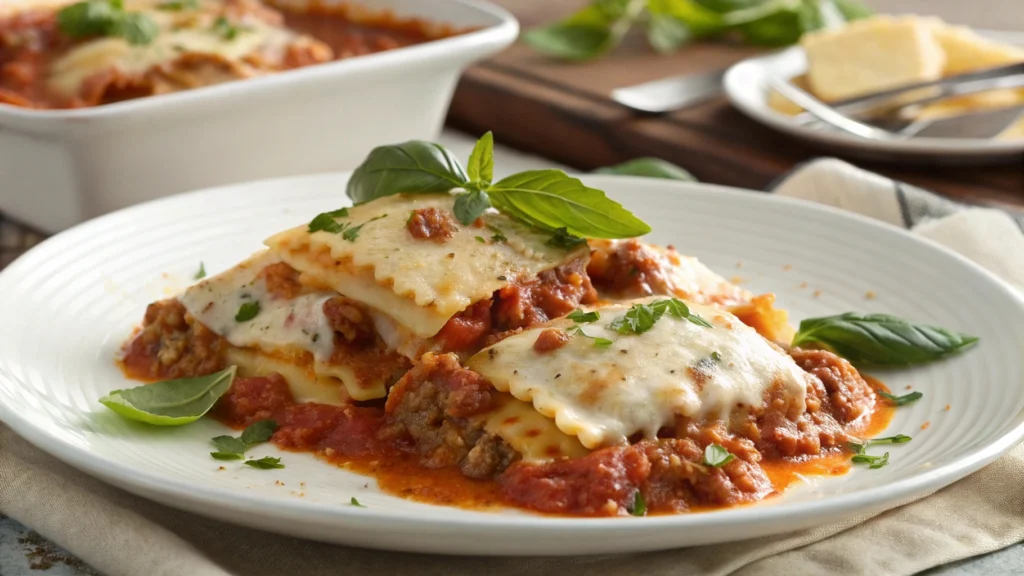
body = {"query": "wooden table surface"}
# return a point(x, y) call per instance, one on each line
point(564, 112)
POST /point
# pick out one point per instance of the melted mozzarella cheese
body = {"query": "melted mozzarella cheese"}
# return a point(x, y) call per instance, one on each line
point(420, 283)
point(281, 326)
point(641, 383)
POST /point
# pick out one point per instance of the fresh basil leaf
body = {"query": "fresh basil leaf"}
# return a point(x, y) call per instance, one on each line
point(716, 456)
point(470, 205)
point(551, 199)
point(247, 311)
point(666, 33)
point(106, 18)
point(201, 273)
point(580, 317)
point(481, 161)
point(229, 445)
point(900, 400)
point(639, 505)
point(265, 463)
point(356, 503)
point(779, 28)
point(411, 167)
point(137, 28)
point(648, 167)
point(227, 455)
point(570, 41)
point(880, 339)
point(352, 232)
point(699, 20)
point(258, 432)
point(171, 402)
point(91, 18)
point(853, 10)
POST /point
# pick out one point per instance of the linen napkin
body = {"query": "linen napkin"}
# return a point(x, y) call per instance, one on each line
point(120, 534)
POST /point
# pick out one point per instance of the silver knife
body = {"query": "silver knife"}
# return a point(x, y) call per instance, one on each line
point(979, 125)
point(670, 94)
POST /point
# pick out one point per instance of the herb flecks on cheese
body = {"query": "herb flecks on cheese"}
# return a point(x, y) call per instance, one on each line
point(605, 396)
point(421, 285)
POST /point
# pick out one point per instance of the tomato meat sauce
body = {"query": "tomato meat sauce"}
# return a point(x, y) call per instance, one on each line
point(427, 443)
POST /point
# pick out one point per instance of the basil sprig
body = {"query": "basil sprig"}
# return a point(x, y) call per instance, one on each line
point(880, 339)
point(171, 402)
point(671, 24)
point(546, 199)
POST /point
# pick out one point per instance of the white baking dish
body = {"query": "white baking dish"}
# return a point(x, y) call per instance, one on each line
point(59, 167)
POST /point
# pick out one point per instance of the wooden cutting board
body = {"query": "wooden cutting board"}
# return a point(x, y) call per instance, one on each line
point(563, 112)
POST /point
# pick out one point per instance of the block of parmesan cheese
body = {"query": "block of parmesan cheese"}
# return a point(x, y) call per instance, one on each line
point(872, 55)
point(967, 51)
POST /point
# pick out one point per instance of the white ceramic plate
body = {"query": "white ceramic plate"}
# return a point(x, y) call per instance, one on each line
point(69, 303)
point(747, 86)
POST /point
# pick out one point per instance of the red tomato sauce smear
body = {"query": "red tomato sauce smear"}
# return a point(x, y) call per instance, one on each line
point(431, 453)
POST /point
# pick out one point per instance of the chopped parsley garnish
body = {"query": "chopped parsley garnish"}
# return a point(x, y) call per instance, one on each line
point(231, 448)
point(326, 222)
point(481, 240)
point(201, 273)
point(562, 239)
point(178, 5)
point(265, 463)
point(498, 236)
point(352, 232)
point(641, 317)
point(228, 31)
point(355, 502)
point(247, 311)
point(579, 316)
point(716, 456)
point(859, 447)
point(900, 400)
point(716, 357)
point(598, 342)
point(639, 505)
point(873, 462)
point(106, 18)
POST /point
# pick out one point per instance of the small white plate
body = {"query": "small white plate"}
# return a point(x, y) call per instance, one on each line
point(70, 302)
point(747, 85)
